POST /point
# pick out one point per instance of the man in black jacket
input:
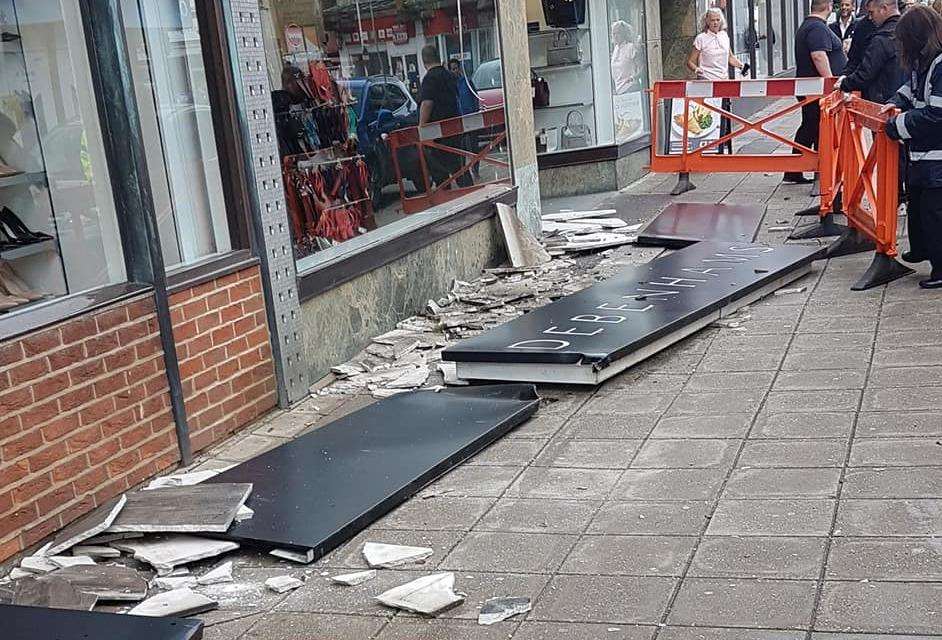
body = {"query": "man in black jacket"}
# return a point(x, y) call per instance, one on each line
point(843, 27)
point(879, 73)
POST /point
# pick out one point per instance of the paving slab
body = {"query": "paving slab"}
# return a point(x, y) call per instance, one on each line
point(908, 452)
point(734, 425)
point(719, 633)
point(439, 512)
point(915, 560)
point(781, 604)
point(548, 482)
point(509, 452)
point(582, 631)
point(651, 518)
point(606, 599)
point(823, 424)
point(669, 484)
point(608, 426)
point(587, 454)
point(290, 626)
point(922, 482)
point(704, 403)
point(513, 552)
point(526, 515)
point(759, 557)
point(889, 518)
point(880, 607)
point(686, 454)
point(782, 483)
point(886, 424)
point(793, 453)
point(787, 517)
point(629, 555)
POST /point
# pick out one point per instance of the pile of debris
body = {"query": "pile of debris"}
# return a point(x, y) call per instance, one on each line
point(84, 566)
point(578, 231)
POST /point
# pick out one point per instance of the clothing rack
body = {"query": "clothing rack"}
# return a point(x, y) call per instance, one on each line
point(314, 108)
point(345, 204)
point(334, 161)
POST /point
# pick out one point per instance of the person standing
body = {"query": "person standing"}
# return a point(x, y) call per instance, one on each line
point(467, 103)
point(879, 73)
point(845, 24)
point(438, 100)
point(818, 53)
point(919, 33)
point(711, 58)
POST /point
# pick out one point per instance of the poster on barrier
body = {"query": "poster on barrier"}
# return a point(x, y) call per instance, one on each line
point(703, 125)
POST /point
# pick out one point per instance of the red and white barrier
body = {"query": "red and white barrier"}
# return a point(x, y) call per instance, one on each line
point(775, 88)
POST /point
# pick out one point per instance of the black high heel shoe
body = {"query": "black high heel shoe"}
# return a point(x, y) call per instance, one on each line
point(7, 241)
point(19, 229)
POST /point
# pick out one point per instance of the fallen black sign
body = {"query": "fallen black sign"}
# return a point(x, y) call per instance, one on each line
point(40, 623)
point(683, 223)
point(592, 335)
point(321, 489)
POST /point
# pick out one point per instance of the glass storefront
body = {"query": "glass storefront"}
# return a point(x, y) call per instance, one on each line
point(762, 32)
point(590, 70)
point(353, 73)
point(58, 225)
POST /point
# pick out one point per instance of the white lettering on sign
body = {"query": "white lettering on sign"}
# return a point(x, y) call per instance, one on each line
point(751, 248)
point(624, 307)
point(649, 293)
point(709, 271)
point(675, 282)
point(560, 344)
point(571, 331)
point(602, 319)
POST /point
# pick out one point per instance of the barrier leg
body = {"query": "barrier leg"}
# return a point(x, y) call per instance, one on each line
point(826, 228)
point(851, 241)
point(683, 184)
point(882, 270)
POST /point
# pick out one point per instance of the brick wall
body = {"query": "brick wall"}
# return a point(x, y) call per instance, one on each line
point(84, 415)
point(225, 355)
point(85, 408)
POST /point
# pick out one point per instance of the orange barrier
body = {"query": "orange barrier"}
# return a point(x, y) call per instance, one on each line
point(705, 158)
point(425, 139)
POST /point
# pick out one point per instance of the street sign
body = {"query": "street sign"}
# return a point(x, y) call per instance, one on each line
point(592, 335)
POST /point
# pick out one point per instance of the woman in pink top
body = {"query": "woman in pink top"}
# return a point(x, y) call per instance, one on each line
point(711, 57)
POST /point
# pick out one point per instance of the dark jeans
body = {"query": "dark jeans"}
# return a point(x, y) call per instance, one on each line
point(924, 213)
point(442, 164)
point(807, 133)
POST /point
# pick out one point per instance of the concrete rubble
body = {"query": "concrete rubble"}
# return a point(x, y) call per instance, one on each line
point(497, 610)
point(378, 554)
point(354, 579)
point(428, 595)
point(283, 584)
point(179, 602)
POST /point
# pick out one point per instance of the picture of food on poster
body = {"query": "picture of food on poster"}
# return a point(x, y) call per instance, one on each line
point(703, 124)
point(629, 108)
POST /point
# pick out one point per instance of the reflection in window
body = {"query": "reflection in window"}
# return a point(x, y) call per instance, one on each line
point(58, 228)
point(351, 73)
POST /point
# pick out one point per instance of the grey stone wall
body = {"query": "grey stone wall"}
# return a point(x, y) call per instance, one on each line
point(678, 28)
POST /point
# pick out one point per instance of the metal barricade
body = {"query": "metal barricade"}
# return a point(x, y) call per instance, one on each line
point(427, 140)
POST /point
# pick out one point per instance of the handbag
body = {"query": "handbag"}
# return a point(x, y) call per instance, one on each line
point(575, 135)
point(563, 49)
point(540, 90)
point(564, 13)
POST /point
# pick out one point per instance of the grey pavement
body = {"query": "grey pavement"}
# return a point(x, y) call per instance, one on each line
point(782, 481)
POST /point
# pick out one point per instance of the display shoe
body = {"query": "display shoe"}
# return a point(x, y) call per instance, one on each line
point(9, 302)
point(14, 285)
point(796, 178)
point(20, 230)
point(931, 283)
point(911, 258)
point(7, 241)
point(6, 171)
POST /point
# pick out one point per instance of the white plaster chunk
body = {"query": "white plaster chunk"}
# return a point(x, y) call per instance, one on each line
point(169, 583)
point(182, 479)
point(70, 561)
point(166, 553)
point(499, 609)
point(179, 602)
point(222, 573)
point(37, 564)
point(428, 595)
point(244, 513)
point(379, 554)
point(354, 579)
point(85, 527)
point(301, 557)
point(95, 551)
point(283, 584)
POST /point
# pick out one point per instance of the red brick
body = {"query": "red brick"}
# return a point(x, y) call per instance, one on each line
point(110, 384)
point(213, 357)
point(77, 509)
point(45, 528)
point(219, 392)
point(156, 385)
point(240, 291)
point(61, 426)
point(157, 445)
point(123, 463)
point(12, 401)
point(227, 369)
point(193, 309)
point(11, 472)
point(10, 548)
point(97, 411)
point(9, 426)
point(201, 439)
point(111, 318)
point(18, 519)
point(85, 439)
point(139, 308)
point(134, 436)
point(25, 443)
point(51, 385)
point(129, 396)
point(70, 469)
point(27, 492)
point(76, 398)
point(67, 356)
point(103, 451)
point(196, 404)
point(185, 331)
point(227, 280)
point(237, 347)
point(93, 368)
point(39, 414)
point(78, 330)
point(142, 473)
point(118, 422)
point(55, 499)
point(28, 371)
point(41, 342)
point(121, 359)
point(6, 502)
point(199, 344)
point(148, 348)
point(179, 297)
point(231, 313)
point(253, 304)
point(244, 325)
point(90, 481)
point(204, 289)
point(10, 353)
point(209, 417)
point(101, 344)
point(134, 332)
point(205, 324)
point(223, 334)
point(218, 299)
point(153, 406)
point(110, 490)
point(48, 456)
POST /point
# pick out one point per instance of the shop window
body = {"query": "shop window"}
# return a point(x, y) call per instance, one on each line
point(163, 41)
point(58, 226)
point(351, 75)
point(589, 61)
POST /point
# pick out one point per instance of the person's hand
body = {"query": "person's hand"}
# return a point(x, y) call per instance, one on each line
point(887, 108)
point(698, 72)
point(837, 83)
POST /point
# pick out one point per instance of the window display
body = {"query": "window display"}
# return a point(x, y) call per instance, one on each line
point(58, 227)
point(591, 56)
point(352, 74)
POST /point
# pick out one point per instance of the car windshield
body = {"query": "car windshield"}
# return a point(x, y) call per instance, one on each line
point(355, 88)
point(488, 76)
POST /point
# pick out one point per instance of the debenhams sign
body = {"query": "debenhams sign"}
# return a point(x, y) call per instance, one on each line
point(635, 313)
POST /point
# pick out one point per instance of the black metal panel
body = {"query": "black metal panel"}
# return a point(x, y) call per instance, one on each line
point(321, 489)
point(39, 623)
point(637, 307)
point(683, 223)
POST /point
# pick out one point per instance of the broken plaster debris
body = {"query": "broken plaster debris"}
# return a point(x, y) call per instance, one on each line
point(167, 552)
point(222, 573)
point(169, 583)
point(86, 527)
point(70, 561)
point(354, 579)
point(95, 551)
point(428, 595)
point(301, 557)
point(378, 554)
point(499, 609)
point(179, 602)
point(37, 564)
point(790, 291)
point(182, 479)
point(283, 584)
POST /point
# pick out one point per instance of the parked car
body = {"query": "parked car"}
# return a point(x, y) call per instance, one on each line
point(488, 78)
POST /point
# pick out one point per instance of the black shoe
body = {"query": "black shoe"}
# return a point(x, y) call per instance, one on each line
point(796, 178)
point(931, 283)
point(20, 230)
point(911, 258)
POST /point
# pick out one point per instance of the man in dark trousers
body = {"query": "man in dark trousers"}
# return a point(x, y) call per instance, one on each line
point(879, 73)
point(438, 100)
point(818, 53)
